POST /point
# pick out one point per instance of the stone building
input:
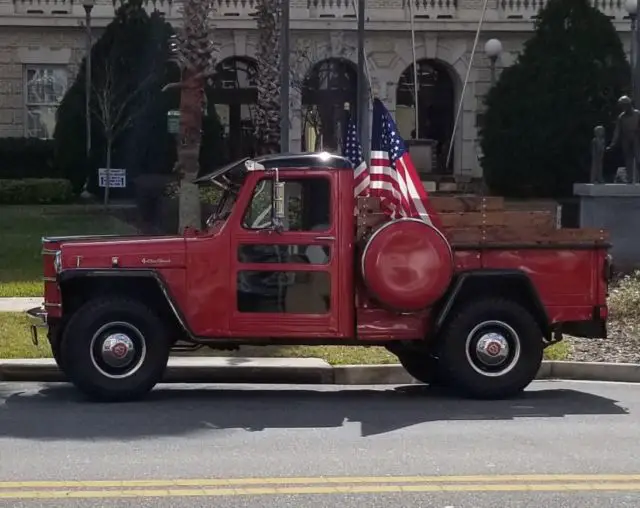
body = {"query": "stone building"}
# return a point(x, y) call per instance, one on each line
point(42, 42)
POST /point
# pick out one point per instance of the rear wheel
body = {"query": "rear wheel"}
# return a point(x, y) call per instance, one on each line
point(424, 368)
point(418, 361)
point(115, 349)
point(491, 349)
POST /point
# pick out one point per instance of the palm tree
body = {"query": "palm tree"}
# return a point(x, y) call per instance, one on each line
point(196, 53)
point(267, 117)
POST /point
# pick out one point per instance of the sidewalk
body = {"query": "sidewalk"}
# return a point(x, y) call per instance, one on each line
point(19, 304)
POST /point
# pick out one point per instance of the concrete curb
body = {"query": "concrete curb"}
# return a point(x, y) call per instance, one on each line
point(307, 371)
point(19, 304)
point(194, 370)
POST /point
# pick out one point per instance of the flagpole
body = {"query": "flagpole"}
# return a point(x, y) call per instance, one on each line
point(363, 84)
point(415, 69)
point(285, 68)
point(466, 80)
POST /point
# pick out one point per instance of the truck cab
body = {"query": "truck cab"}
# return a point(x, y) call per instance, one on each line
point(289, 256)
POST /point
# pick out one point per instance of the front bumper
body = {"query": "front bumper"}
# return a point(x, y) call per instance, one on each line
point(38, 317)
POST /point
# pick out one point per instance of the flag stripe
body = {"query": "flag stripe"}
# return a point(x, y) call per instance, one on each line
point(352, 150)
point(393, 176)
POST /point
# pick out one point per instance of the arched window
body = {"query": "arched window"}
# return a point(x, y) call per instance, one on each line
point(327, 87)
point(436, 107)
point(234, 93)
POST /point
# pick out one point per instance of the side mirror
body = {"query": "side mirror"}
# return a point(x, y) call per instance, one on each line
point(277, 206)
point(278, 201)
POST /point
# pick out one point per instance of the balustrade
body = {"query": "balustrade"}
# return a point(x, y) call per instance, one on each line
point(431, 9)
point(331, 9)
point(336, 9)
point(528, 9)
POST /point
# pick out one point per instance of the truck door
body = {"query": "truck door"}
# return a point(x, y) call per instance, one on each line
point(285, 283)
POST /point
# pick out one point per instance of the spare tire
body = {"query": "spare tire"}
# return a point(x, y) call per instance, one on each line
point(407, 265)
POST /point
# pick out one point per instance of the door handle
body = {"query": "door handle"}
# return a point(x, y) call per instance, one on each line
point(326, 238)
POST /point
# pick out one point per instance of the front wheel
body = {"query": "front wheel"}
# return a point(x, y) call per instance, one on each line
point(115, 349)
point(491, 349)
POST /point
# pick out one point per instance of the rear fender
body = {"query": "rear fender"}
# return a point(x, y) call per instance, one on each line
point(474, 284)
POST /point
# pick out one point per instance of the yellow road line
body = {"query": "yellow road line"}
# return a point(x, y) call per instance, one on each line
point(320, 480)
point(319, 490)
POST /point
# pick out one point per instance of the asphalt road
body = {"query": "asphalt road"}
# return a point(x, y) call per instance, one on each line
point(560, 445)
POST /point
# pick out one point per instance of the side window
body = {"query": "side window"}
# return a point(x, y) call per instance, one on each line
point(307, 205)
point(280, 289)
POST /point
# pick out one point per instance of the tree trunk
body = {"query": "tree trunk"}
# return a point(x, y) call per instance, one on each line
point(191, 102)
point(267, 118)
point(108, 182)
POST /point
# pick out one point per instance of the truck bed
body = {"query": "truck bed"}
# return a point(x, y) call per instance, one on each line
point(471, 221)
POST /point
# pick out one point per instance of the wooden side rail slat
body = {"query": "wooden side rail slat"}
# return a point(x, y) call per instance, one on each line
point(498, 218)
point(527, 235)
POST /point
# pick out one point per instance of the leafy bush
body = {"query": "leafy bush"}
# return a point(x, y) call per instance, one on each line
point(27, 158)
point(624, 297)
point(541, 113)
point(210, 195)
point(31, 191)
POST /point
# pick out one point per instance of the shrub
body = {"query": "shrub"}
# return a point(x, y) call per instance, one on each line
point(27, 158)
point(541, 113)
point(31, 191)
point(624, 297)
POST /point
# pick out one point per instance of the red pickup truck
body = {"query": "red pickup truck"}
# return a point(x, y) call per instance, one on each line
point(291, 257)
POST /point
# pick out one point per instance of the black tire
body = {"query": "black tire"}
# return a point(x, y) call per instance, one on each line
point(461, 363)
point(145, 342)
point(417, 359)
point(422, 367)
point(55, 350)
point(54, 342)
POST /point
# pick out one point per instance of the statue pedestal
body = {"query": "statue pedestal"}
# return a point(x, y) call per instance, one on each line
point(614, 207)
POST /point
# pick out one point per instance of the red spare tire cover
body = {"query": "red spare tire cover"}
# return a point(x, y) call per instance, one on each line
point(407, 265)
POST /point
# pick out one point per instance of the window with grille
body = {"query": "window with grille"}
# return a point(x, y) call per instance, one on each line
point(45, 86)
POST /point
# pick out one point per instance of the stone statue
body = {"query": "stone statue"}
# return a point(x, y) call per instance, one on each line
point(621, 176)
point(598, 147)
point(628, 133)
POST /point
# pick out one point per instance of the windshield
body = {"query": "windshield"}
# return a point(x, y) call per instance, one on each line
point(222, 202)
point(223, 191)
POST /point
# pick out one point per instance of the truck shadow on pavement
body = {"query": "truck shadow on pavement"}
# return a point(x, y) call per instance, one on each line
point(56, 411)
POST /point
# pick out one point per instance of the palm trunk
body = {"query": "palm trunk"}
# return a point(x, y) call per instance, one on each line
point(191, 100)
point(267, 121)
point(196, 53)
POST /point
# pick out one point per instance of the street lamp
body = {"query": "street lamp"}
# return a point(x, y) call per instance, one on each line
point(493, 49)
point(631, 6)
point(88, 7)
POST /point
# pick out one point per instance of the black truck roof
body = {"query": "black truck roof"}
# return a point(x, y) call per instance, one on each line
point(283, 161)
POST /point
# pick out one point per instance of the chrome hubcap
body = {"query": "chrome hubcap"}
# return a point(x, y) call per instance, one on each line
point(493, 348)
point(118, 350)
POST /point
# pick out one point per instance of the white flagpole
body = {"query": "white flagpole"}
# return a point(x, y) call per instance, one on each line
point(466, 80)
point(415, 69)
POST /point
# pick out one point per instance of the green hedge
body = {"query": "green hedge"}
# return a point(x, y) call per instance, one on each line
point(27, 158)
point(31, 191)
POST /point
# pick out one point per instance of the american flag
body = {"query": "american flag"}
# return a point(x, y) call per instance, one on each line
point(394, 178)
point(352, 150)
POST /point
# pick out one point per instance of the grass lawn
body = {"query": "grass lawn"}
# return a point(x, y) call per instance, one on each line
point(21, 230)
point(15, 342)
